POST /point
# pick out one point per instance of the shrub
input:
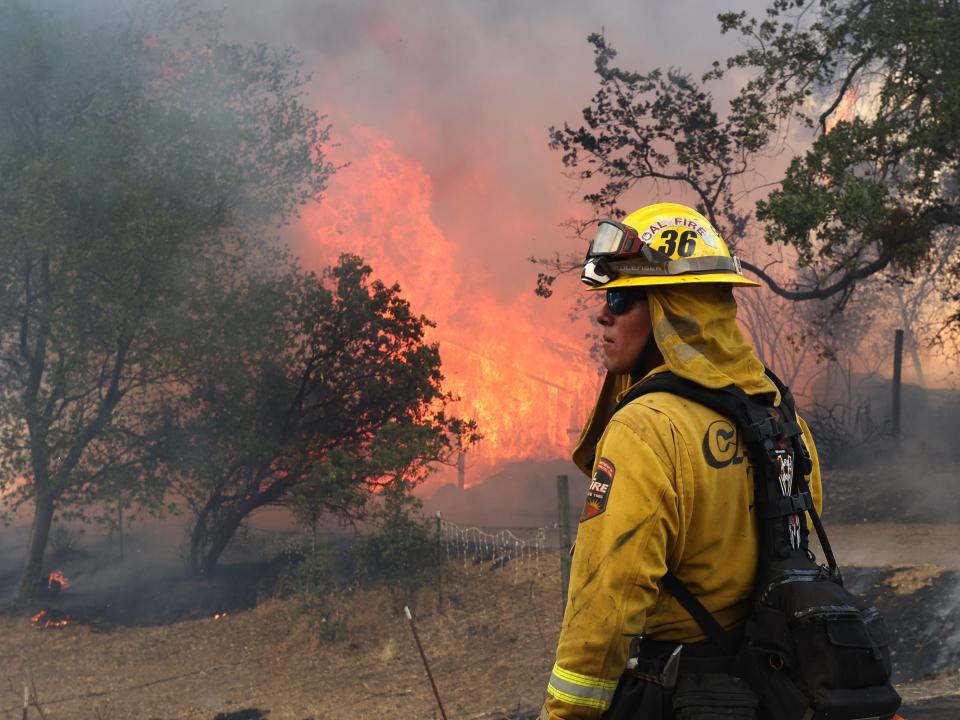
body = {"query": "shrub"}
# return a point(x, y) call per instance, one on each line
point(400, 554)
point(314, 582)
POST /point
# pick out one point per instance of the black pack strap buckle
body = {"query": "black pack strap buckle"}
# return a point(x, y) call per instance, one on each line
point(763, 431)
point(790, 505)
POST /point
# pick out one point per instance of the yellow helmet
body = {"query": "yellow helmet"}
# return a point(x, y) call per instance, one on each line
point(662, 244)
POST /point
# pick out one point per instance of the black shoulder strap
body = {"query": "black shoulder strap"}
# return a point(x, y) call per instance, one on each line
point(762, 431)
point(705, 619)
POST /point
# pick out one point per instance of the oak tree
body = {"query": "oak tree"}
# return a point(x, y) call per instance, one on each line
point(875, 191)
point(142, 158)
point(330, 395)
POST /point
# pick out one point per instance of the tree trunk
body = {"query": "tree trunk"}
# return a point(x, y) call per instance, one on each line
point(39, 533)
point(908, 325)
point(210, 536)
point(915, 357)
point(218, 520)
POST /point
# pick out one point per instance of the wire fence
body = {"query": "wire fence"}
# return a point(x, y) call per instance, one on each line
point(492, 548)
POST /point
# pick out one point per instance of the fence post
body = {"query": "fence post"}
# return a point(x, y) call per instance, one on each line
point(563, 524)
point(897, 368)
point(439, 567)
point(120, 523)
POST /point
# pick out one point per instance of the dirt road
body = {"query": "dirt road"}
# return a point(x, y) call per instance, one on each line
point(893, 544)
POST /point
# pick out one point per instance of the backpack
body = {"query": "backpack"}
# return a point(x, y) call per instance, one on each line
point(810, 649)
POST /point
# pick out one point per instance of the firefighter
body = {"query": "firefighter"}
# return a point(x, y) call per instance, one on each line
point(670, 486)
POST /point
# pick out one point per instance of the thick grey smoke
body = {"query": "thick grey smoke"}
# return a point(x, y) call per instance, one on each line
point(468, 90)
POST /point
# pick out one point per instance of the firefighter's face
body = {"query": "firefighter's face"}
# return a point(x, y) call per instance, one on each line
point(625, 335)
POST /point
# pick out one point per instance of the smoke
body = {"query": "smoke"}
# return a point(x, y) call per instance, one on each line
point(142, 579)
point(440, 114)
point(468, 90)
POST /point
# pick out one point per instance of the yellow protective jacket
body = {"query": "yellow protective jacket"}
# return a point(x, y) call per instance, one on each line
point(671, 488)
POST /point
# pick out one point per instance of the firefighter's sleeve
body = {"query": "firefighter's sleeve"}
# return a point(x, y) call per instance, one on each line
point(627, 530)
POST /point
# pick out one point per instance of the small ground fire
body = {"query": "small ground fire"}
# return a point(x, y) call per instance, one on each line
point(52, 620)
point(57, 581)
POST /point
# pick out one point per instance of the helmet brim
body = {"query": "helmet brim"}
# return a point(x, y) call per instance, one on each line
point(643, 281)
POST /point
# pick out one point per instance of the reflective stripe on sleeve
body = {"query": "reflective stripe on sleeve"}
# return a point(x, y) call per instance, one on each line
point(576, 689)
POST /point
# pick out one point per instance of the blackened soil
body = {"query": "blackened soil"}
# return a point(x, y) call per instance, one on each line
point(941, 709)
point(158, 597)
point(923, 626)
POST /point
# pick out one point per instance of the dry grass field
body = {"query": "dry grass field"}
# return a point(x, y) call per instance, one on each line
point(490, 648)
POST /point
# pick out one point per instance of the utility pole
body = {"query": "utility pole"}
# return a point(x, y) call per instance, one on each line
point(563, 524)
point(897, 368)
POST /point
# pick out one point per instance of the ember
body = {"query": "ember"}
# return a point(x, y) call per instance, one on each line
point(57, 581)
point(44, 620)
point(220, 616)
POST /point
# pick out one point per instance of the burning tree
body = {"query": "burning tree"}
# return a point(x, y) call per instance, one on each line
point(141, 159)
point(332, 394)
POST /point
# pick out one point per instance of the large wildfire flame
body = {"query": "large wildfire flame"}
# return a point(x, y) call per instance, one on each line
point(519, 366)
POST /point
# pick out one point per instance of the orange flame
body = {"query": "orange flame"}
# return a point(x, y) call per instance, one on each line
point(58, 578)
point(220, 616)
point(42, 621)
point(846, 110)
point(517, 363)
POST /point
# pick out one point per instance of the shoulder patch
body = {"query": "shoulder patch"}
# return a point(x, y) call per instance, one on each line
point(599, 490)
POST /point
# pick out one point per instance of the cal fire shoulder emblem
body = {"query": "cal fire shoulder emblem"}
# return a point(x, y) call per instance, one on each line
point(599, 490)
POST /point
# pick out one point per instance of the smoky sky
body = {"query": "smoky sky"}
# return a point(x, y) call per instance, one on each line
point(469, 89)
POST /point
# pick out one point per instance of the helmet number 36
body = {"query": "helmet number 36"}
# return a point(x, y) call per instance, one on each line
point(681, 244)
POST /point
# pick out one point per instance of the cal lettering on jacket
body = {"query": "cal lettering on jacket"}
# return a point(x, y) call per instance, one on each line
point(599, 490)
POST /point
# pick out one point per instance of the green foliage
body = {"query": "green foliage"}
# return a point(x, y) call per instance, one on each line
point(401, 553)
point(313, 582)
point(142, 160)
point(873, 193)
point(330, 395)
point(659, 127)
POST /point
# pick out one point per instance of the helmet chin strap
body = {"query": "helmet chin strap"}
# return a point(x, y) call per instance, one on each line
point(647, 360)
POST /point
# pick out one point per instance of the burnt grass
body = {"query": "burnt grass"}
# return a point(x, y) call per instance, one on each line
point(923, 625)
point(155, 596)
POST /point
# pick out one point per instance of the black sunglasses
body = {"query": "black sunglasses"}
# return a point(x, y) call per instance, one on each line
point(619, 300)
